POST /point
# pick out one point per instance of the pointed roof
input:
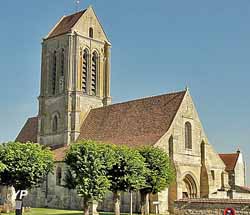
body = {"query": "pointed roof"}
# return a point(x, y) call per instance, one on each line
point(230, 160)
point(29, 131)
point(135, 123)
point(65, 24)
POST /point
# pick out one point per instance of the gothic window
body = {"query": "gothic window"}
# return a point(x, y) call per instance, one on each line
point(213, 174)
point(94, 73)
point(55, 124)
point(91, 33)
point(58, 176)
point(171, 147)
point(62, 63)
point(188, 135)
point(203, 153)
point(85, 66)
point(54, 74)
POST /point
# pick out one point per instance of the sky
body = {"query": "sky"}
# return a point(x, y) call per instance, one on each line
point(158, 46)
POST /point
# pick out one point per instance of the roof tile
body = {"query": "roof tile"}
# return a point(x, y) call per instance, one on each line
point(134, 123)
point(230, 160)
point(29, 131)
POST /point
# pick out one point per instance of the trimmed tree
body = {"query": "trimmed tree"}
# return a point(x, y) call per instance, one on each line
point(25, 165)
point(127, 174)
point(88, 164)
point(158, 176)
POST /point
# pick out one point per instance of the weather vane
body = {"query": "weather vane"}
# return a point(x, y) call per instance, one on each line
point(77, 5)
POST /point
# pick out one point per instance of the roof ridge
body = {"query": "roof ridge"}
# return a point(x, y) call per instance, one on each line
point(73, 14)
point(141, 99)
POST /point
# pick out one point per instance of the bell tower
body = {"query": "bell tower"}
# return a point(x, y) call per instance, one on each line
point(75, 76)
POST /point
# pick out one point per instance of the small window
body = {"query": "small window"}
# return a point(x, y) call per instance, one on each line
point(55, 124)
point(213, 174)
point(91, 33)
point(188, 135)
point(59, 176)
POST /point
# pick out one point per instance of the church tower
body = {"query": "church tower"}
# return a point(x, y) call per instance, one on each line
point(75, 76)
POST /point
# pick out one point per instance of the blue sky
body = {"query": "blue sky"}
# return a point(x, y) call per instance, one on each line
point(157, 46)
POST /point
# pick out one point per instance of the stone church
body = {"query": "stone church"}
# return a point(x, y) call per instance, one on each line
point(75, 104)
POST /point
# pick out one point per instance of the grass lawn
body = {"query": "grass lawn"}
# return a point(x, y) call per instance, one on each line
point(46, 211)
point(43, 211)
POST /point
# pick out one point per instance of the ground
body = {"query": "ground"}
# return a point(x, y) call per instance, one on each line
point(45, 211)
point(42, 211)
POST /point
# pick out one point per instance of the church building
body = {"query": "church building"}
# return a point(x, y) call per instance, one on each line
point(75, 104)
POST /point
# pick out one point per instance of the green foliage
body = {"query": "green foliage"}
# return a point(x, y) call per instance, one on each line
point(128, 172)
point(160, 171)
point(89, 162)
point(25, 164)
point(2, 167)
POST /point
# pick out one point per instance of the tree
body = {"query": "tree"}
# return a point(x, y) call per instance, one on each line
point(25, 164)
point(88, 164)
point(127, 174)
point(158, 176)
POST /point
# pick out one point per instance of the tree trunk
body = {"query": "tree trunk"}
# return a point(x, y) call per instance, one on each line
point(117, 199)
point(86, 206)
point(144, 203)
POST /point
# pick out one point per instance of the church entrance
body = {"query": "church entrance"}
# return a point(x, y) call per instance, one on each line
point(189, 187)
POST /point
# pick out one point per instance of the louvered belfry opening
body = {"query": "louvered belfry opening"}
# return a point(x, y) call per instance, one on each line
point(85, 71)
point(62, 63)
point(54, 74)
point(94, 73)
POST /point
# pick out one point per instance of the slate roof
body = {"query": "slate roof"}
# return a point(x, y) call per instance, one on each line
point(230, 160)
point(66, 24)
point(29, 131)
point(135, 123)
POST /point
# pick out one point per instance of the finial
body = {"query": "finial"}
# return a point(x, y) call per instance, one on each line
point(187, 88)
point(238, 150)
point(77, 5)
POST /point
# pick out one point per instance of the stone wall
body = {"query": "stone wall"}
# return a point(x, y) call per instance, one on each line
point(211, 206)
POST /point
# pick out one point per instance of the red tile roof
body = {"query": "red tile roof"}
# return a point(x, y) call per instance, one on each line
point(29, 131)
point(230, 160)
point(134, 123)
point(66, 24)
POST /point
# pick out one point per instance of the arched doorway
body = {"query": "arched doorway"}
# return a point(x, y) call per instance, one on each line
point(189, 187)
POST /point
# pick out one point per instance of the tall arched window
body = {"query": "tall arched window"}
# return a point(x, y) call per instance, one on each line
point(203, 153)
point(94, 73)
point(54, 74)
point(188, 135)
point(55, 124)
point(59, 176)
point(171, 147)
point(62, 63)
point(91, 33)
point(85, 66)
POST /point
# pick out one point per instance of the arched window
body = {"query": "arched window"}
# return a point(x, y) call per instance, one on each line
point(188, 135)
point(54, 74)
point(55, 124)
point(91, 33)
point(94, 73)
point(171, 147)
point(85, 65)
point(59, 176)
point(203, 153)
point(62, 63)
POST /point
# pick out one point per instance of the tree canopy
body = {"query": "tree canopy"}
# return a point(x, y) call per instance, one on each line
point(24, 165)
point(88, 164)
point(160, 171)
